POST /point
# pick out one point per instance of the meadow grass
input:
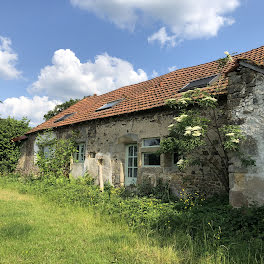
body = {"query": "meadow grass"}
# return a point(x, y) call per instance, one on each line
point(74, 223)
point(35, 231)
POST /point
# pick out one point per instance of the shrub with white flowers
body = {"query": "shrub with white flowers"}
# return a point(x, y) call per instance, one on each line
point(197, 130)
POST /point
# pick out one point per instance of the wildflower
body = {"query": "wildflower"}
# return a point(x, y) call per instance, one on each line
point(235, 140)
point(226, 53)
point(230, 134)
point(171, 125)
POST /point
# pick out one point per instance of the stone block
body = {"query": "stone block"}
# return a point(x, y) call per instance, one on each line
point(237, 199)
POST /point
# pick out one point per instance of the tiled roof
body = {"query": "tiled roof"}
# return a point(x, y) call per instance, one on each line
point(144, 95)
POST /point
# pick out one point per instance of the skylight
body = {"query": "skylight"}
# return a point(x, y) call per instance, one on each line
point(108, 105)
point(200, 83)
point(63, 117)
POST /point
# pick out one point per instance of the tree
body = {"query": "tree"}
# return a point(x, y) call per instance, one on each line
point(59, 108)
point(9, 150)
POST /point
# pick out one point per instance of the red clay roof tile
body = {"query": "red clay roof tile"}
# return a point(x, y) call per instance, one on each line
point(144, 95)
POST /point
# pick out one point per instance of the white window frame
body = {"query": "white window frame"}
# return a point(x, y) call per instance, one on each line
point(79, 160)
point(143, 160)
point(155, 146)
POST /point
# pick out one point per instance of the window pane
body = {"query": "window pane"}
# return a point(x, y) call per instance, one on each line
point(135, 151)
point(175, 158)
point(135, 172)
point(135, 162)
point(130, 162)
point(130, 151)
point(130, 173)
point(151, 159)
point(149, 142)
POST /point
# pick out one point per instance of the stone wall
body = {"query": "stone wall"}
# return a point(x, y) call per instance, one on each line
point(245, 108)
point(106, 140)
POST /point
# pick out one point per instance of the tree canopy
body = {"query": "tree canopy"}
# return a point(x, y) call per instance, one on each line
point(9, 150)
point(59, 108)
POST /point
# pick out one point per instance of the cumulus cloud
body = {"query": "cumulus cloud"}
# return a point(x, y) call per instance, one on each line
point(34, 109)
point(186, 19)
point(163, 38)
point(172, 68)
point(8, 59)
point(68, 78)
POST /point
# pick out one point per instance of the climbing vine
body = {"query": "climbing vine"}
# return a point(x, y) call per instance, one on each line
point(54, 155)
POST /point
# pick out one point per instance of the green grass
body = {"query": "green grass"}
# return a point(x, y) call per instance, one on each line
point(61, 221)
point(34, 231)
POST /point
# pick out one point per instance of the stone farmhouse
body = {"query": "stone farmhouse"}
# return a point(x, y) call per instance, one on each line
point(120, 131)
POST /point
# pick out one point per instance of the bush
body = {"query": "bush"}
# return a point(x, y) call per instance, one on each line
point(9, 150)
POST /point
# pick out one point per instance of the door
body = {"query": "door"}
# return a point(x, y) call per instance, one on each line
point(131, 165)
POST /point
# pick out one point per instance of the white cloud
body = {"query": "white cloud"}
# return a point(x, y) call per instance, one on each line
point(154, 74)
point(172, 68)
point(8, 59)
point(68, 78)
point(186, 19)
point(22, 106)
point(163, 38)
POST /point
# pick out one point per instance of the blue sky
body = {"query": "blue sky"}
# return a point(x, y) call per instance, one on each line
point(51, 51)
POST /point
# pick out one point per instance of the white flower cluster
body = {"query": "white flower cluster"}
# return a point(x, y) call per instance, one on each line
point(234, 140)
point(171, 100)
point(210, 99)
point(194, 131)
point(228, 56)
point(180, 118)
point(180, 162)
point(184, 101)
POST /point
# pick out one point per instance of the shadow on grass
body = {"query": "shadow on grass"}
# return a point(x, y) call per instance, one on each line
point(15, 230)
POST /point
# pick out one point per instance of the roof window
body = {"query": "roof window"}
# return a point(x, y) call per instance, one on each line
point(63, 117)
point(108, 105)
point(199, 83)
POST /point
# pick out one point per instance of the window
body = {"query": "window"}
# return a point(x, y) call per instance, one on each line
point(108, 105)
point(151, 159)
point(200, 83)
point(175, 158)
point(151, 142)
point(79, 155)
point(46, 150)
point(63, 117)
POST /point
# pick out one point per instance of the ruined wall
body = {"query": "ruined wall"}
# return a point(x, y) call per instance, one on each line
point(106, 140)
point(245, 108)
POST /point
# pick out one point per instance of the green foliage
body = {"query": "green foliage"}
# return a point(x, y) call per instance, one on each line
point(56, 161)
point(197, 130)
point(59, 108)
point(210, 225)
point(9, 150)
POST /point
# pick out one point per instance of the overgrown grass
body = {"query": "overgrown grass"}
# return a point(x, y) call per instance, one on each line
point(207, 232)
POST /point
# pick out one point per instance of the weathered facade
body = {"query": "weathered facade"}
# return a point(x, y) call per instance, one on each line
point(120, 131)
point(246, 108)
point(107, 144)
